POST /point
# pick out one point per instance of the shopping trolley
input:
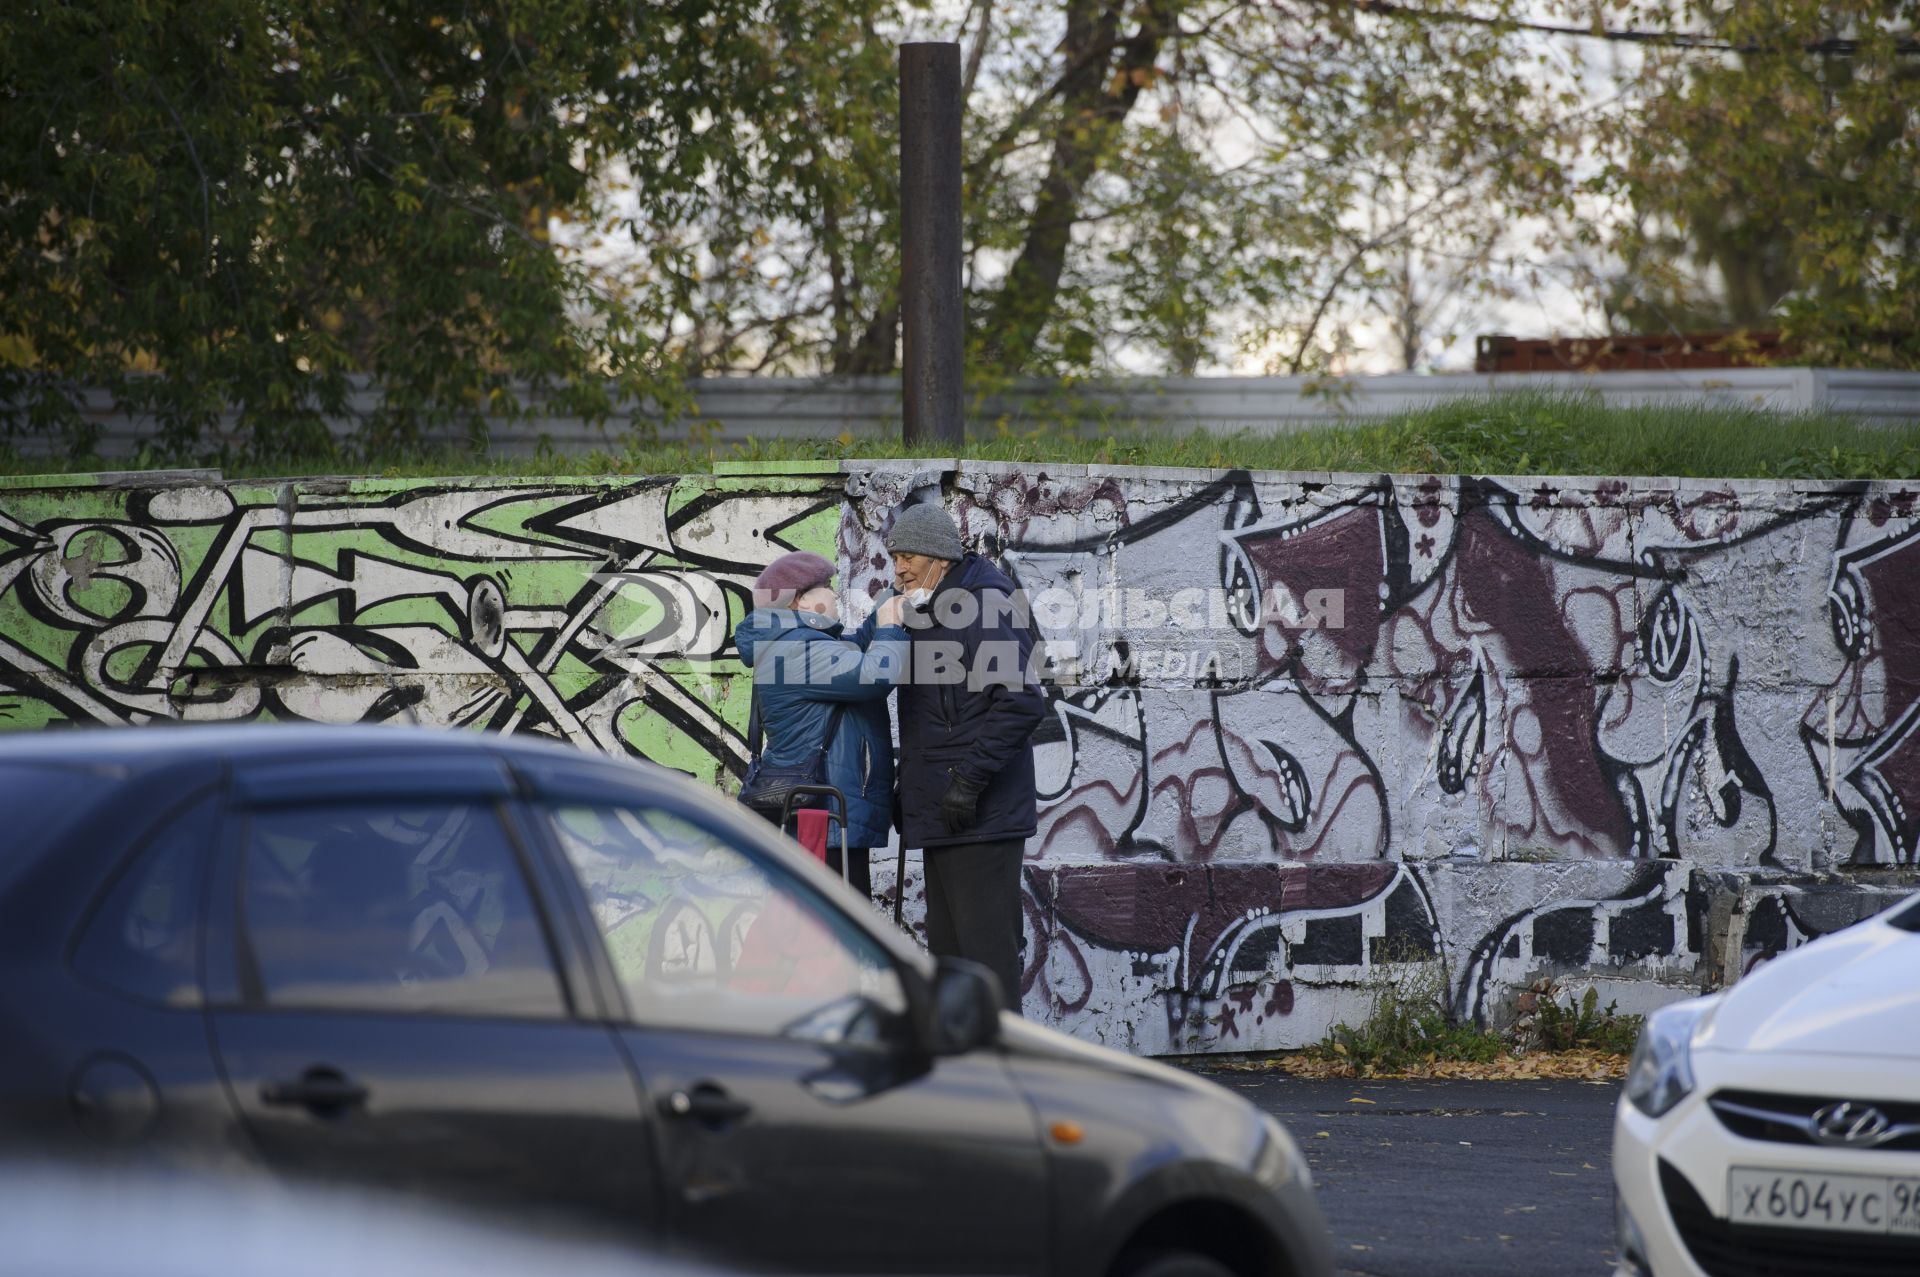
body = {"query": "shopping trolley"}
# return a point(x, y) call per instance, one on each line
point(815, 839)
point(835, 810)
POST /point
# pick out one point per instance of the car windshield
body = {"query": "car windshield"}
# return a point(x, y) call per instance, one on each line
point(39, 799)
point(1906, 916)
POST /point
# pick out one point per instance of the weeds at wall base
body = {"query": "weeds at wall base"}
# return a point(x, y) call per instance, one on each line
point(1578, 1025)
point(1409, 1031)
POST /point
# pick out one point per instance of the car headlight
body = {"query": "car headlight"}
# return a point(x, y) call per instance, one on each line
point(1279, 1161)
point(1661, 1074)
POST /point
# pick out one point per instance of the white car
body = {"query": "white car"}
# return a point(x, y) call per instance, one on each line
point(1774, 1128)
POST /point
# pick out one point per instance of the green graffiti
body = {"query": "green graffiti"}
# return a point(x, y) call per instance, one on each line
point(596, 610)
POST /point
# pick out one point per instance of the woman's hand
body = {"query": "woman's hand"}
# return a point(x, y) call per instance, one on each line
point(892, 610)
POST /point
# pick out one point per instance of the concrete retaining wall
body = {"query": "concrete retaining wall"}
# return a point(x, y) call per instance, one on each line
point(1641, 733)
point(736, 409)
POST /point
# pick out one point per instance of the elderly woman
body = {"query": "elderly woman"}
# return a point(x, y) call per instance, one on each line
point(803, 668)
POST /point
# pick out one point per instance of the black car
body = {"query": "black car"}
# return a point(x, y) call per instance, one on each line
point(516, 973)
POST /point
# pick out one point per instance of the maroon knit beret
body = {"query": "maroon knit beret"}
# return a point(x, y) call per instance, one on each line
point(788, 577)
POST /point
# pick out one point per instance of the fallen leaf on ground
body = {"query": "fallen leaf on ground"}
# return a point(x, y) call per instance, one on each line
point(1582, 1065)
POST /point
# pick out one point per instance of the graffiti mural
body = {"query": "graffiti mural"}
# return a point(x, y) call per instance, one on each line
point(1610, 671)
point(1867, 751)
point(598, 613)
point(1545, 705)
point(1235, 956)
point(1304, 729)
point(1649, 920)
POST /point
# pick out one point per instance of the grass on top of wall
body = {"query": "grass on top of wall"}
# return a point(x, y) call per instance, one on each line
point(1507, 435)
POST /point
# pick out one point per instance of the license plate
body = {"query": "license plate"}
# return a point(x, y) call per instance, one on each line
point(1841, 1203)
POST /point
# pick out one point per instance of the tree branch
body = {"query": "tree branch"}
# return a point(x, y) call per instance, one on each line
point(1004, 141)
point(1097, 104)
point(977, 52)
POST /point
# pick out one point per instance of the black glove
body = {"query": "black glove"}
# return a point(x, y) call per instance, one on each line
point(959, 806)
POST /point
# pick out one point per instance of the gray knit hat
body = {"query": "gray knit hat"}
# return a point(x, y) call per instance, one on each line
point(925, 529)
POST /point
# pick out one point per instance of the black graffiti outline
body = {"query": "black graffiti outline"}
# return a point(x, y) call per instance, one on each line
point(1649, 883)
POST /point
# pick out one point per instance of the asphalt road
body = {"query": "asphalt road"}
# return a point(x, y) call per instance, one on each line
point(1454, 1179)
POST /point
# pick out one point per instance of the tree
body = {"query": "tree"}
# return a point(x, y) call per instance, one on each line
point(258, 199)
point(783, 254)
point(1774, 174)
point(1170, 185)
point(1160, 185)
point(236, 209)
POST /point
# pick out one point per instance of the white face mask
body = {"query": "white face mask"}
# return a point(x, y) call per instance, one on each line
point(920, 597)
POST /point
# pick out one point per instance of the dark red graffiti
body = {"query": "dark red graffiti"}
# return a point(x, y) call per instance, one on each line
point(1888, 776)
point(1511, 591)
point(1893, 594)
point(1154, 908)
point(1342, 553)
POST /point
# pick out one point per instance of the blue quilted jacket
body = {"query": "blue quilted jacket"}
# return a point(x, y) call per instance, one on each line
point(802, 667)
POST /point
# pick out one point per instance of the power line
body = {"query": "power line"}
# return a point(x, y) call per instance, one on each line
point(1833, 47)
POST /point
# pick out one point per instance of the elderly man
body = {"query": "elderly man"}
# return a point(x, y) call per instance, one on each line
point(967, 715)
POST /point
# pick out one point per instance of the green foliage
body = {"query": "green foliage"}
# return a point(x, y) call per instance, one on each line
point(1408, 1028)
point(1777, 185)
point(248, 218)
point(1584, 1024)
point(1407, 1022)
point(226, 211)
point(1190, 182)
point(1493, 438)
point(1545, 435)
point(237, 215)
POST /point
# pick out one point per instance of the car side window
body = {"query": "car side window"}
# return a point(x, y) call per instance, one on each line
point(144, 939)
point(705, 935)
point(393, 907)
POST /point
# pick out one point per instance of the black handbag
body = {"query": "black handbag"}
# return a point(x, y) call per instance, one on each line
point(770, 790)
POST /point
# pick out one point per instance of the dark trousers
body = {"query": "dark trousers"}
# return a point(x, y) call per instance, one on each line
point(974, 907)
point(859, 872)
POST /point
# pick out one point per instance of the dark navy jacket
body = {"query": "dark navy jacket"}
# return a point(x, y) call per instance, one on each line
point(980, 728)
point(802, 668)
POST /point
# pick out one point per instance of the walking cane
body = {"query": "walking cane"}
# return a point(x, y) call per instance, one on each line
point(900, 883)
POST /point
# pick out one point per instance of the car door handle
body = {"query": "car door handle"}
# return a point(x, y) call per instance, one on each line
point(705, 1103)
point(321, 1089)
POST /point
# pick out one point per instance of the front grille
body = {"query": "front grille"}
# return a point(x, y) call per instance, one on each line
point(1787, 1119)
point(1723, 1250)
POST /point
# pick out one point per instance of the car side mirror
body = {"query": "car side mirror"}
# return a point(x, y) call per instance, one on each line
point(966, 1007)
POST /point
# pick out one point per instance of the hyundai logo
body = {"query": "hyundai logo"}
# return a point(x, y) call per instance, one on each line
point(1855, 1125)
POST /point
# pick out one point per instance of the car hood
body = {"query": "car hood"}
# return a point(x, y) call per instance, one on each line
point(1853, 993)
point(1138, 1111)
point(1023, 1038)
